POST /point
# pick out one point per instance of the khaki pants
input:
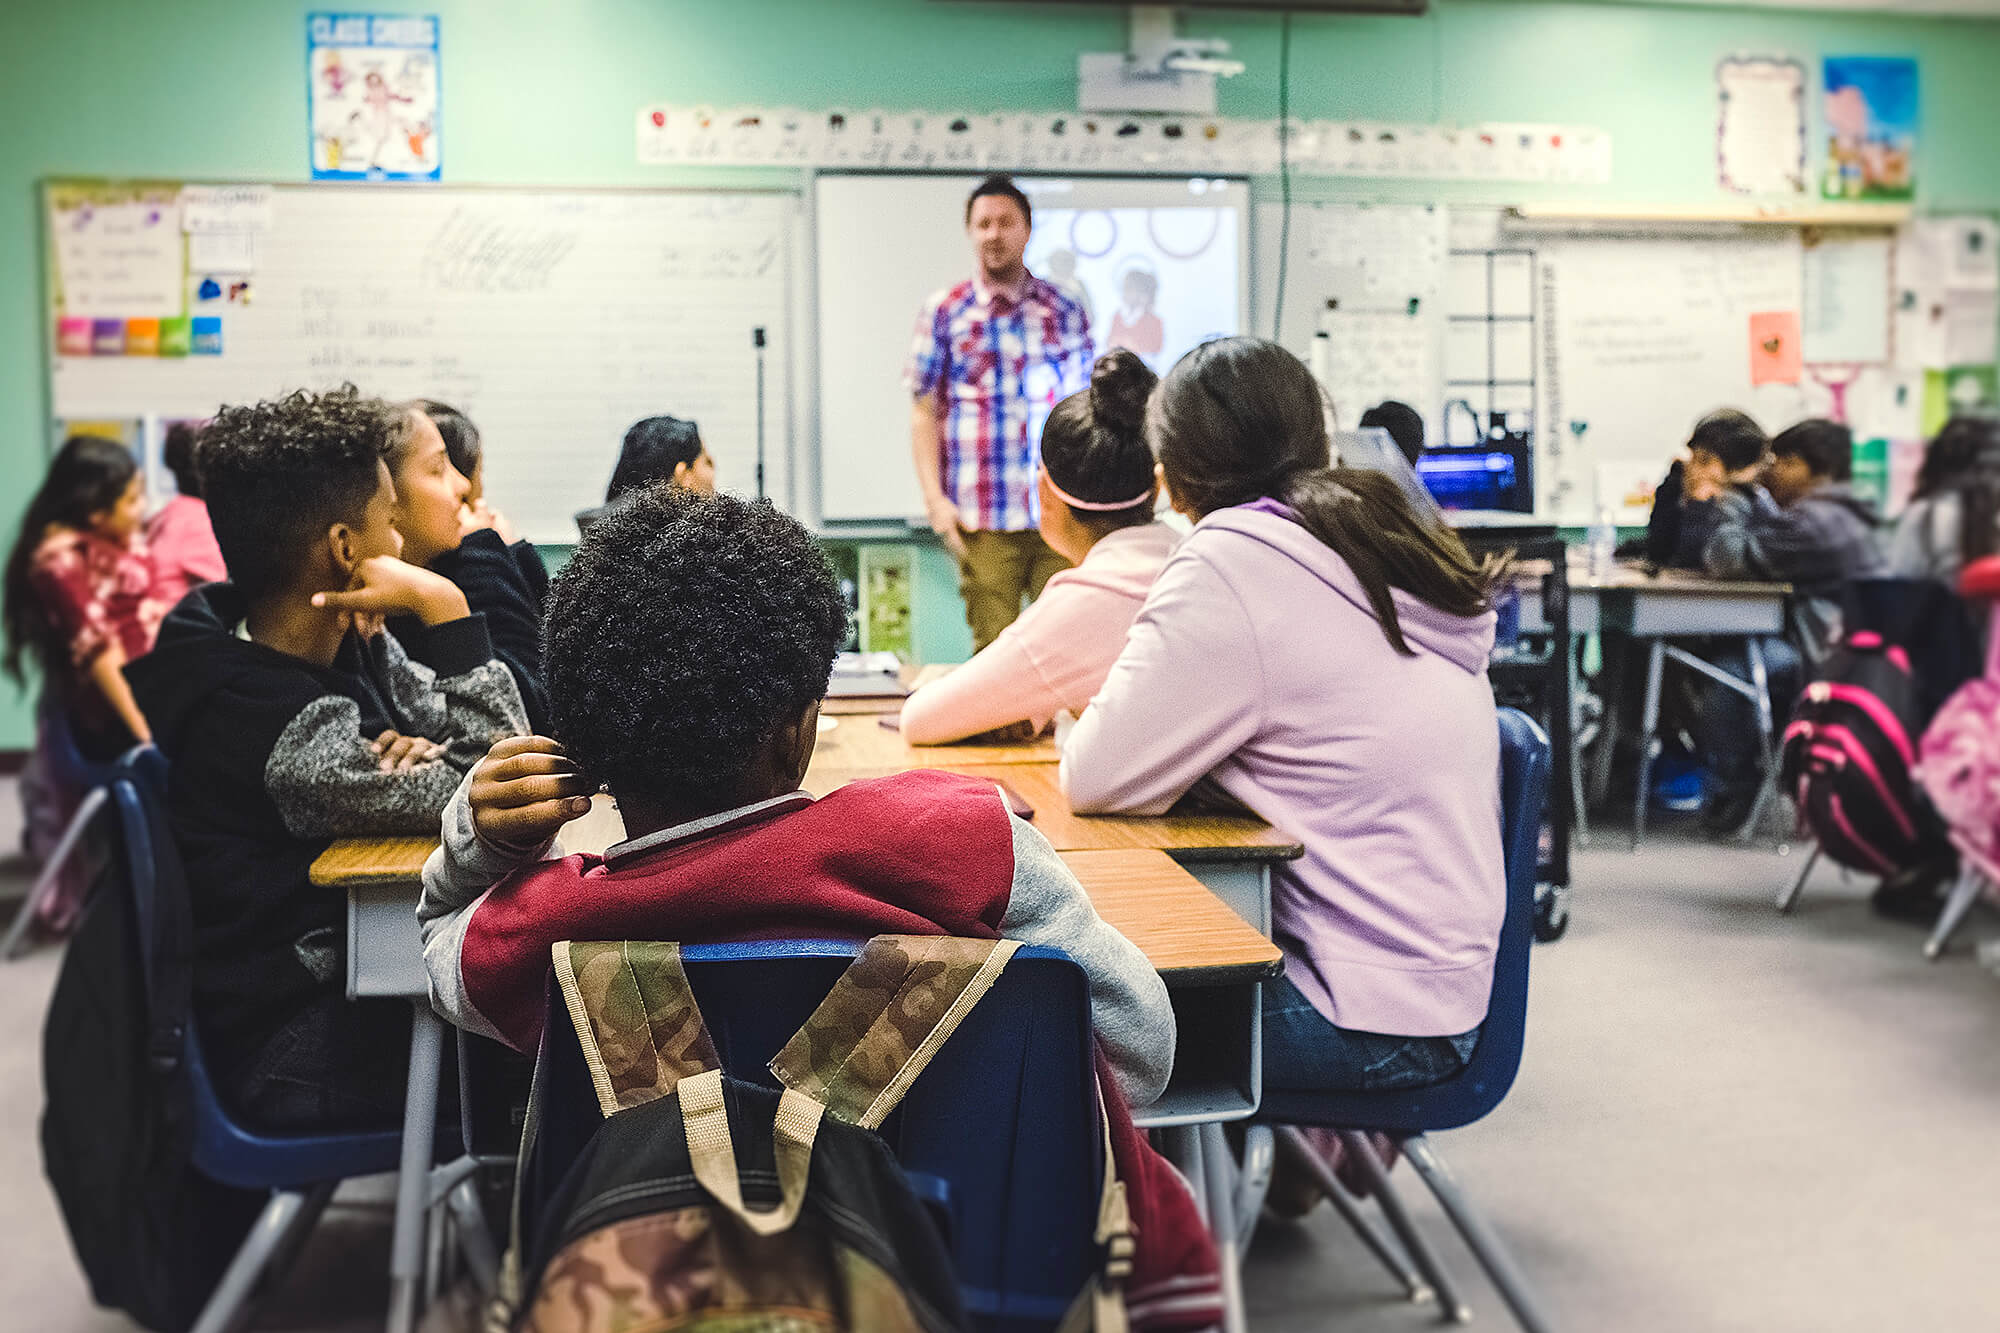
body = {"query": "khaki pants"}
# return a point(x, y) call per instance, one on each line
point(999, 570)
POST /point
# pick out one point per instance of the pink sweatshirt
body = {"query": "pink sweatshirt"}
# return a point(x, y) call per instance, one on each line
point(1256, 660)
point(183, 550)
point(1056, 655)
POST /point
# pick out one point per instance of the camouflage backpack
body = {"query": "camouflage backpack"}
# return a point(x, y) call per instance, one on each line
point(650, 1226)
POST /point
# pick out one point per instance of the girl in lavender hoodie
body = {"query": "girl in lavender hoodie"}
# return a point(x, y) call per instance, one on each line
point(1097, 493)
point(1319, 651)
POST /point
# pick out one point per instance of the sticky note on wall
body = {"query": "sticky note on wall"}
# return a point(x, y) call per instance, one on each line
point(1776, 355)
point(176, 335)
point(107, 337)
point(206, 335)
point(142, 337)
point(73, 336)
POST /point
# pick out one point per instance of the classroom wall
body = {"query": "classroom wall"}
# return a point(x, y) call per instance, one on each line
point(541, 93)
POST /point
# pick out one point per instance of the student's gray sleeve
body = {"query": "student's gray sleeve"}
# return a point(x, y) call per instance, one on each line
point(1732, 550)
point(328, 783)
point(460, 695)
point(1129, 1010)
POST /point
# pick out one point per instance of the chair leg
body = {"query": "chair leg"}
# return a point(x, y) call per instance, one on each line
point(1300, 1153)
point(1479, 1237)
point(1253, 1176)
point(1788, 898)
point(228, 1307)
point(1649, 737)
point(475, 1242)
point(1451, 1305)
point(1963, 895)
point(1767, 787)
point(45, 882)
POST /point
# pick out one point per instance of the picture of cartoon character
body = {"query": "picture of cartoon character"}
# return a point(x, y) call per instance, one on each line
point(333, 74)
point(1060, 269)
point(1135, 326)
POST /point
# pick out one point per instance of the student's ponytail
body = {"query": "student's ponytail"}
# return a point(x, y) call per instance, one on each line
point(1094, 449)
point(1241, 419)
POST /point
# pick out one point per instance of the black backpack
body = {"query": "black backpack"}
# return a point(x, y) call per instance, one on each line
point(153, 1235)
point(1847, 760)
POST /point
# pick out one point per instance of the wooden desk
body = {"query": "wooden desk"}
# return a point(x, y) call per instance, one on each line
point(861, 741)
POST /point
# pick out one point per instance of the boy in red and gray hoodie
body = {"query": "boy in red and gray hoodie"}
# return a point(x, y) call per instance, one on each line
point(688, 644)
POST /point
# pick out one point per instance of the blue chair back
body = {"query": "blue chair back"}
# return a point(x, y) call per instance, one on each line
point(63, 761)
point(223, 1149)
point(1480, 1086)
point(999, 1133)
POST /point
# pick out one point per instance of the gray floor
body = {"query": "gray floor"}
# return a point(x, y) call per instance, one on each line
point(1726, 1120)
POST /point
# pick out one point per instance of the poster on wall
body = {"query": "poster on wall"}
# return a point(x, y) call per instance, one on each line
point(1760, 136)
point(372, 96)
point(1871, 128)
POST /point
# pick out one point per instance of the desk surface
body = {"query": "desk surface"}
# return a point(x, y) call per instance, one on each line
point(861, 741)
point(1191, 837)
point(1181, 927)
point(1630, 576)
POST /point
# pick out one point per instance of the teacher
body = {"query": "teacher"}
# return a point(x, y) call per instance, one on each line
point(992, 356)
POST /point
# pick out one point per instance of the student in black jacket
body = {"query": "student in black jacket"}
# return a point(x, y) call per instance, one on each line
point(290, 717)
point(444, 534)
point(1726, 451)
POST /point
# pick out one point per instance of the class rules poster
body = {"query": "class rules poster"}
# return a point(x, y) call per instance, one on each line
point(373, 96)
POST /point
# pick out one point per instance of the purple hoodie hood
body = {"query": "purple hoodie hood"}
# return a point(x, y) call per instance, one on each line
point(1465, 641)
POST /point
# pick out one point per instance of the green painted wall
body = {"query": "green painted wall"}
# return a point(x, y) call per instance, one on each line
point(545, 93)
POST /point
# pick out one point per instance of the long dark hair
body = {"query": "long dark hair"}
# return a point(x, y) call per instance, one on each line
point(1965, 458)
point(651, 449)
point(1242, 419)
point(1094, 445)
point(460, 436)
point(87, 476)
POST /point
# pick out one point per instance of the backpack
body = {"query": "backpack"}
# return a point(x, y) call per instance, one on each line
point(1959, 762)
point(1847, 759)
point(152, 1234)
point(654, 1222)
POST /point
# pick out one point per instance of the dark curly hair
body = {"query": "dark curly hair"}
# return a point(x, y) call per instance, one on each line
point(278, 474)
point(683, 634)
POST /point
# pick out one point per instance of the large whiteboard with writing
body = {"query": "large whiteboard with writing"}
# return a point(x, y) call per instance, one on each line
point(1642, 336)
point(553, 318)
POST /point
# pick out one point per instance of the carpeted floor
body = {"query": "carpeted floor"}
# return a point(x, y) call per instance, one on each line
point(1726, 1120)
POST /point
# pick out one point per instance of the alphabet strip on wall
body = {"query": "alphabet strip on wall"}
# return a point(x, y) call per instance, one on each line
point(1059, 141)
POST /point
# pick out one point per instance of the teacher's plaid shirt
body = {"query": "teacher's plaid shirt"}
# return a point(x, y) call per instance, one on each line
point(1003, 360)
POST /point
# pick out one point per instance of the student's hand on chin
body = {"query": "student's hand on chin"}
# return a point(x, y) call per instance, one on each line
point(386, 586)
point(479, 516)
point(525, 790)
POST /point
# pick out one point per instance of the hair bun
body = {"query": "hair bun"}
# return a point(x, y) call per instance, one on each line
point(1120, 384)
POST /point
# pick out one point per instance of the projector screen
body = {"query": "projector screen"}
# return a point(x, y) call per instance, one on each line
point(1160, 265)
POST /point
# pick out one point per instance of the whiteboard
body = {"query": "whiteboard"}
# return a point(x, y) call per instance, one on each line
point(1642, 336)
point(554, 319)
point(885, 243)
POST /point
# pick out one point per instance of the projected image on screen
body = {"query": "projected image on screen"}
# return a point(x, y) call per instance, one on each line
point(1156, 281)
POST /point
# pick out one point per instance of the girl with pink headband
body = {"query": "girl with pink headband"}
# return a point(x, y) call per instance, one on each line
point(1097, 492)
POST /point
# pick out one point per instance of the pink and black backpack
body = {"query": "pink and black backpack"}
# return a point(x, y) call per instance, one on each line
point(1959, 757)
point(1849, 758)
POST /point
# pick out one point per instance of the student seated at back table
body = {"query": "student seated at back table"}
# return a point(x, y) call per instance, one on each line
point(1404, 424)
point(1097, 513)
point(1319, 651)
point(690, 640)
point(1725, 451)
point(1954, 513)
point(290, 718)
point(1803, 526)
point(467, 451)
point(655, 449)
point(445, 535)
point(179, 540)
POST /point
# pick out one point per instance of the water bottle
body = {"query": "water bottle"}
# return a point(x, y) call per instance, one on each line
point(1603, 545)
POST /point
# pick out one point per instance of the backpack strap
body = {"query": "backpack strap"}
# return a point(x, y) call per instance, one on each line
point(888, 1014)
point(1100, 1306)
point(635, 1017)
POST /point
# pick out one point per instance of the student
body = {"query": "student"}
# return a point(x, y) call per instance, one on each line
point(1317, 651)
point(1097, 490)
point(80, 595)
point(656, 449)
point(462, 444)
point(1726, 450)
point(1404, 424)
point(1959, 481)
point(690, 639)
point(291, 719)
point(178, 538)
point(442, 533)
point(1801, 527)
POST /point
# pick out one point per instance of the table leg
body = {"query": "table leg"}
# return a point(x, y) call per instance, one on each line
point(1649, 739)
point(1218, 1167)
point(406, 1252)
point(1760, 683)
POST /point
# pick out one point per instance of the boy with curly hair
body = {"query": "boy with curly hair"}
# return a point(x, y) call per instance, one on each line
point(688, 644)
point(291, 718)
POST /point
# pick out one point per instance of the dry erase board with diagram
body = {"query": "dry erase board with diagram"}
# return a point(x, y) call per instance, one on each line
point(553, 318)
